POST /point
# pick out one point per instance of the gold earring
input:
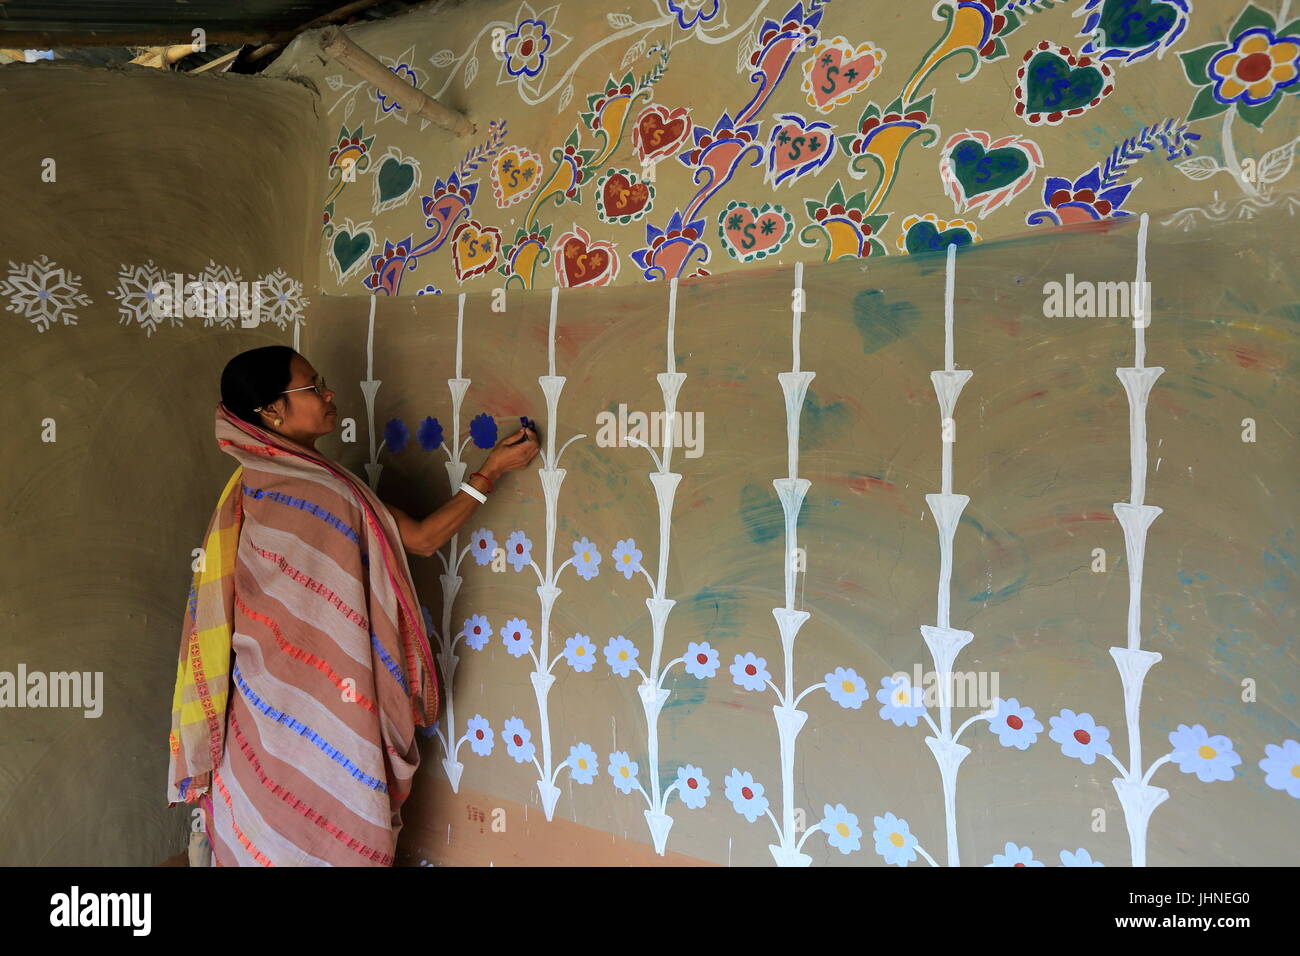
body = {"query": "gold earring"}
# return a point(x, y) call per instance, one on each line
point(279, 422)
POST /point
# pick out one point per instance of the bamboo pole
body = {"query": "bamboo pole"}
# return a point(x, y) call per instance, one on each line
point(335, 44)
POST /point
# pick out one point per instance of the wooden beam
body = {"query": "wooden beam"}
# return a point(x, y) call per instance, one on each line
point(136, 36)
point(221, 64)
point(333, 17)
point(162, 57)
point(335, 44)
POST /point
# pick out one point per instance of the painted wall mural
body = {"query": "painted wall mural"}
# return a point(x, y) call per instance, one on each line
point(909, 112)
point(946, 304)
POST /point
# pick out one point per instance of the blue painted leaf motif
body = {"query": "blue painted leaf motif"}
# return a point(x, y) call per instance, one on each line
point(430, 434)
point(483, 429)
point(396, 434)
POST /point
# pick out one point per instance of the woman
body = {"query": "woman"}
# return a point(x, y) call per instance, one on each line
point(304, 666)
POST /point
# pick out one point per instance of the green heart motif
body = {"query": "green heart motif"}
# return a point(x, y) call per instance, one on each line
point(1052, 86)
point(981, 171)
point(1131, 24)
point(395, 178)
point(348, 249)
point(924, 237)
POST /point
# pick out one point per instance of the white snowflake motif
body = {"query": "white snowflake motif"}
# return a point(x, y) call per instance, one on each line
point(44, 293)
point(136, 292)
point(282, 299)
point(219, 307)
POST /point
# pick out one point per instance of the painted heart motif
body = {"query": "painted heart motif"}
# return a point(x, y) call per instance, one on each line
point(348, 249)
point(394, 179)
point(621, 197)
point(836, 70)
point(798, 148)
point(660, 132)
point(981, 173)
point(926, 237)
point(474, 249)
point(516, 174)
point(1121, 26)
point(750, 232)
point(1052, 84)
point(581, 262)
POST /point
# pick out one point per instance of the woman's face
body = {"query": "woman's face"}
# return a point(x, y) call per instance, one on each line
point(307, 416)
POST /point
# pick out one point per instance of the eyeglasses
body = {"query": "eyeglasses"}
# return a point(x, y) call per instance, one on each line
point(319, 388)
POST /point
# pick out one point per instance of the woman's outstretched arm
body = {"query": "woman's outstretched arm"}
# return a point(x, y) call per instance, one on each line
point(425, 536)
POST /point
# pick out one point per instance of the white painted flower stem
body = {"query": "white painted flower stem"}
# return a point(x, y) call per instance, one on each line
point(652, 693)
point(551, 477)
point(451, 580)
point(1137, 797)
point(791, 490)
point(944, 641)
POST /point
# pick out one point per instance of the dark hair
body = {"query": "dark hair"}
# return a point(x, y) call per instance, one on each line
point(255, 378)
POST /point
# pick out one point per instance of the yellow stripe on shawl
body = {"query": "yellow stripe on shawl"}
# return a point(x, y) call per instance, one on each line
point(214, 643)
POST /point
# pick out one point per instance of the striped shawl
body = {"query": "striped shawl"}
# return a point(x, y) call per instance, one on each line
point(304, 667)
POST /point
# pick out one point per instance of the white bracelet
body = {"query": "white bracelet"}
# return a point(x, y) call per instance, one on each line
point(472, 491)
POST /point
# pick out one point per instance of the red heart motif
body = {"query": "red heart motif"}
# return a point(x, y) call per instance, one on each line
point(658, 132)
point(623, 197)
point(581, 262)
point(837, 70)
point(794, 145)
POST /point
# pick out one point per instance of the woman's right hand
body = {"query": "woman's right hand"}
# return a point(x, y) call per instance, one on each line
point(513, 452)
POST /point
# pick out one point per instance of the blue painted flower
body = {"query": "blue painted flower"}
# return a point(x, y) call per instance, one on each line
point(1079, 736)
point(701, 660)
point(846, 688)
point(1013, 855)
point(519, 550)
point(1281, 766)
point(1079, 857)
point(580, 653)
point(691, 12)
point(477, 631)
point(669, 250)
point(525, 49)
point(483, 429)
point(482, 545)
point(582, 762)
point(518, 636)
point(745, 795)
point(1083, 200)
point(627, 558)
point(1195, 751)
point(1255, 66)
point(586, 559)
point(622, 770)
point(1015, 725)
point(396, 434)
point(519, 742)
point(404, 73)
point(750, 672)
point(429, 434)
point(902, 702)
point(481, 737)
point(841, 828)
point(1251, 72)
point(894, 840)
point(621, 655)
point(692, 786)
